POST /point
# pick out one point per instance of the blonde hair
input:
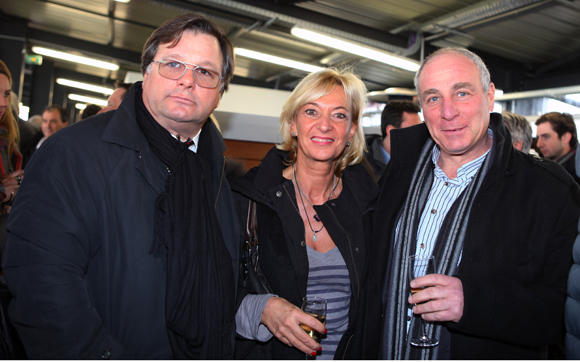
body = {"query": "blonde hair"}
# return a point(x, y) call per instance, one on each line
point(7, 121)
point(315, 86)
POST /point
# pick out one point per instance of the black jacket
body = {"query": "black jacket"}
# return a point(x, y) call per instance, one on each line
point(283, 255)
point(78, 258)
point(516, 256)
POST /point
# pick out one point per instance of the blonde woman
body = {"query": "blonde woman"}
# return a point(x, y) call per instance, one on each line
point(313, 206)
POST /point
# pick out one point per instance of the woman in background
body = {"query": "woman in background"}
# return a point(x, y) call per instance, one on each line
point(313, 208)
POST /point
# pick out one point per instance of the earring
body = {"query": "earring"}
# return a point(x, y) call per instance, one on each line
point(348, 144)
point(293, 134)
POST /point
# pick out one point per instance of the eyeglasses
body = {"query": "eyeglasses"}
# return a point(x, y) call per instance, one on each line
point(175, 69)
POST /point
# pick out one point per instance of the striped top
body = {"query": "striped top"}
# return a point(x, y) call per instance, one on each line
point(443, 194)
point(328, 279)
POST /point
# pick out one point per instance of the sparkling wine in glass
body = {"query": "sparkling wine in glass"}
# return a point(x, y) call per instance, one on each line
point(316, 307)
point(421, 265)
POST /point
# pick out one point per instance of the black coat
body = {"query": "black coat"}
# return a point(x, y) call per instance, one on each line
point(516, 256)
point(78, 258)
point(283, 255)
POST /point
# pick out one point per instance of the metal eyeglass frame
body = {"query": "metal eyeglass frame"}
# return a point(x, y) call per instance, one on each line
point(195, 67)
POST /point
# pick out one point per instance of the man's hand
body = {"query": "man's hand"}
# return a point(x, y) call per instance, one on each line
point(283, 319)
point(443, 296)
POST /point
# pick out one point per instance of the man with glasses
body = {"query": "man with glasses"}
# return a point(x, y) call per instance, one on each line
point(123, 241)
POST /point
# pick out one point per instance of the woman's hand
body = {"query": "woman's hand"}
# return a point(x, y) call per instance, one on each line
point(283, 319)
point(11, 184)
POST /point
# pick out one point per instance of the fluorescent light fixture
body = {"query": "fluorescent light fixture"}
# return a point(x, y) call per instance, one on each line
point(75, 58)
point(498, 93)
point(77, 97)
point(85, 86)
point(122, 1)
point(81, 106)
point(363, 51)
point(277, 60)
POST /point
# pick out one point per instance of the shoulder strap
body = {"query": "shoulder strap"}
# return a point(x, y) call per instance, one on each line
point(251, 225)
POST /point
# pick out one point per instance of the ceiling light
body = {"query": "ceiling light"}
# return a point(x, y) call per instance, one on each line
point(80, 105)
point(85, 86)
point(277, 60)
point(363, 51)
point(75, 58)
point(122, 1)
point(97, 101)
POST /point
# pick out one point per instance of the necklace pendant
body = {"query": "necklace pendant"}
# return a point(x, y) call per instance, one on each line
point(314, 237)
point(316, 217)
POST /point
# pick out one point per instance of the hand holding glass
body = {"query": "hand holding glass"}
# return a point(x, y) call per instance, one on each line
point(421, 265)
point(316, 307)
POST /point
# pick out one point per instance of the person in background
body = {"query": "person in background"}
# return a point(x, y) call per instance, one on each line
point(36, 121)
point(54, 118)
point(123, 242)
point(11, 171)
point(572, 341)
point(29, 134)
point(313, 208)
point(558, 139)
point(520, 130)
point(396, 114)
point(500, 223)
point(115, 99)
point(90, 110)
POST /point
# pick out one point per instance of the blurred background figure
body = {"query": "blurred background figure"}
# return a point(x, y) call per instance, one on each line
point(36, 121)
point(29, 135)
point(90, 110)
point(115, 99)
point(557, 140)
point(396, 114)
point(54, 118)
point(520, 130)
point(10, 157)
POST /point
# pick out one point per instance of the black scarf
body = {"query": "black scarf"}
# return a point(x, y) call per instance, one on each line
point(200, 293)
point(447, 251)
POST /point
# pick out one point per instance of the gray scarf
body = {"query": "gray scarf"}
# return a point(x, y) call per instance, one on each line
point(447, 252)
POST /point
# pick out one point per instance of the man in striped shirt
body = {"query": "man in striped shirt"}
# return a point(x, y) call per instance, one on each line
point(500, 224)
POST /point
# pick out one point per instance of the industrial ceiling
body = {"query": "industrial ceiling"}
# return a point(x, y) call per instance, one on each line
point(527, 44)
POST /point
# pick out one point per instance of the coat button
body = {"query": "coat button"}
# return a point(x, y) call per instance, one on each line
point(302, 243)
point(356, 249)
point(279, 193)
point(106, 355)
point(332, 204)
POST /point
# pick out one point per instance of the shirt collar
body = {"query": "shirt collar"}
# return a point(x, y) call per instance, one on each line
point(466, 172)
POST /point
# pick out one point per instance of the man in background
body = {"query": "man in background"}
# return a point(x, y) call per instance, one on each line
point(520, 130)
point(396, 114)
point(557, 140)
point(54, 118)
point(115, 99)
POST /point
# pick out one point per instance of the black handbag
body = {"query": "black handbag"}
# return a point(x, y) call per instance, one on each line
point(253, 278)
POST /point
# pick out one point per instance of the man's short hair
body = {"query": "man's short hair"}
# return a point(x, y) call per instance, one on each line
point(520, 129)
point(484, 75)
point(393, 114)
point(125, 86)
point(171, 31)
point(63, 112)
point(561, 123)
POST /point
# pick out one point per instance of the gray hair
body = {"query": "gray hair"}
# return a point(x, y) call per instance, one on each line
point(520, 129)
point(484, 75)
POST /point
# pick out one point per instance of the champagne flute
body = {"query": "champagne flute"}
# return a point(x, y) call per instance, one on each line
point(316, 307)
point(421, 265)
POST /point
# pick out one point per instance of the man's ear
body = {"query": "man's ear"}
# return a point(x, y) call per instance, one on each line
point(566, 137)
point(389, 129)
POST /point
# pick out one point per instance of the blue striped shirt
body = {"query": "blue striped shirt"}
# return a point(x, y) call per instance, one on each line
point(328, 279)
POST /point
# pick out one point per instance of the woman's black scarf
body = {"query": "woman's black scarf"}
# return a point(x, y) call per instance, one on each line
point(200, 293)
